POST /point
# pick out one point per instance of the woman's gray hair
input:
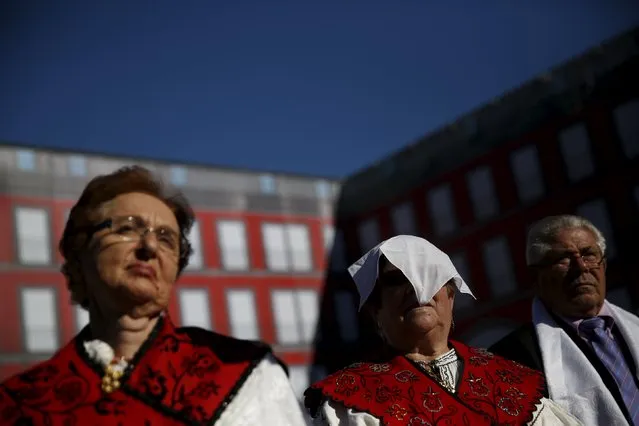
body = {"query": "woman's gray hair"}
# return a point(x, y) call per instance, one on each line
point(543, 233)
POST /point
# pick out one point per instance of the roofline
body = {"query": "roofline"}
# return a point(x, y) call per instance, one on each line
point(554, 72)
point(161, 161)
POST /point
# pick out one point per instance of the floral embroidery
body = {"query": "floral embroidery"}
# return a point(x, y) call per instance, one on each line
point(491, 390)
point(477, 385)
point(397, 411)
point(346, 384)
point(432, 402)
point(379, 368)
point(171, 375)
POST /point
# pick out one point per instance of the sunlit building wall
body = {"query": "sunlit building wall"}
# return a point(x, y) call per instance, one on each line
point(256, 273)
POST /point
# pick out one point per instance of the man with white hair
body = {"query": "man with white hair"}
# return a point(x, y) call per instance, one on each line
point(587, 347)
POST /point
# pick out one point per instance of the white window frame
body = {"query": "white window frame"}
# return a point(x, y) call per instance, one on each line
point(482, 192)
point(288, 257)
point(597, 212)
point(26, 160)
point(526, 168)
point(368, 234)
point(441, 205)
point(234, 251)
point(34, 342)
point(41, 242)
point(322, 189)
point(179, 175)
point(500, 272)
point(403, 219)
point(233, 306)
point(195, 302)
point(267, 184)
point(625, 117)
point(576, 151)
point(328, 236)
point(77, 165)
point(293, 324)
point(346, 315)
point(299, 249)
point(196, 261)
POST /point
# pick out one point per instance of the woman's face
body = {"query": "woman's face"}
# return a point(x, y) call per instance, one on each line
point(126, 270)
point(402, 320)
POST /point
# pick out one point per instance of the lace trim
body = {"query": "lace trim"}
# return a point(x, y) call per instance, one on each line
point(443, 369)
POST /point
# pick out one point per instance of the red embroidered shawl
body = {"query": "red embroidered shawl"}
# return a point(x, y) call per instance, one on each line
point(491, 390)
point(179, 376)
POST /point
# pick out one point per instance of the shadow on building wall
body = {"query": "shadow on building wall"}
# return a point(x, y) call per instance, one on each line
point(568, 145)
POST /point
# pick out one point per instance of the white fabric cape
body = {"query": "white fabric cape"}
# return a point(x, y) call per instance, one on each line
point(265, 399)
point(425, 266)
point(572, 381)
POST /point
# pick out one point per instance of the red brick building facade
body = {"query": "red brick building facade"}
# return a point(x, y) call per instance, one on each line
point(256, 272)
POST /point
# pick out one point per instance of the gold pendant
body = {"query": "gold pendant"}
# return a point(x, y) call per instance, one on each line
point(111, 379)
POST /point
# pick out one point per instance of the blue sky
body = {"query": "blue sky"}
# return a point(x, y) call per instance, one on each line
point(323, 88)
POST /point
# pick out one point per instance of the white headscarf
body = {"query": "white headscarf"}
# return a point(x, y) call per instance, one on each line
point(425, 266)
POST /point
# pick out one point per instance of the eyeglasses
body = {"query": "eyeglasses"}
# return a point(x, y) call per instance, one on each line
point(565, 261)
point(134, 229)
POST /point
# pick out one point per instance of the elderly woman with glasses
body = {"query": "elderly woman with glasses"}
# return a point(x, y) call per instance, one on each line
point(124, 246)
point(408, 286)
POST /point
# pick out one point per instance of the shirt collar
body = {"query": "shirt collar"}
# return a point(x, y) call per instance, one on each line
point(605, 312)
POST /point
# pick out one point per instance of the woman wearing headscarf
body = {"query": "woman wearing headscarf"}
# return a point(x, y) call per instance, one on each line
point(124, 246)
point(408, 286)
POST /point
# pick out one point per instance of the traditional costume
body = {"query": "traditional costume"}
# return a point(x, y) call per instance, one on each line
point(180, 376)
point(576, 377)
point(465, 386)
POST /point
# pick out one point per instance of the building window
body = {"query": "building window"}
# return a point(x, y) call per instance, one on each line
point(179, 175)
point(25, 160)
point(298, 376)
point(267, 184)
point(596, 212)
point(32, 227)
point(481, 187)
point(39, 315)
point(637, 195)
point(575, 149)
point(295, 313)
point(368, 233)
point(499, 267)
point(195, 261)
point(232, 240)
point(442, 211)
point(527, 173)
point(322, 189)
point(403, 219)
point(628, 127)
point(81, 317)
point(195, 308)
point(287, 247)
point(300, 247)
point(242, 315)
point(77, 165)
point(328, 235)
point(345, 312)
point(462, 301)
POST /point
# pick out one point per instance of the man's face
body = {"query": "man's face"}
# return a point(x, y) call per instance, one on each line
point(571, 279)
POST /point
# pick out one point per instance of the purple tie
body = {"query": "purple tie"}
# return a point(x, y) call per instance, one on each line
point(610, 355)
